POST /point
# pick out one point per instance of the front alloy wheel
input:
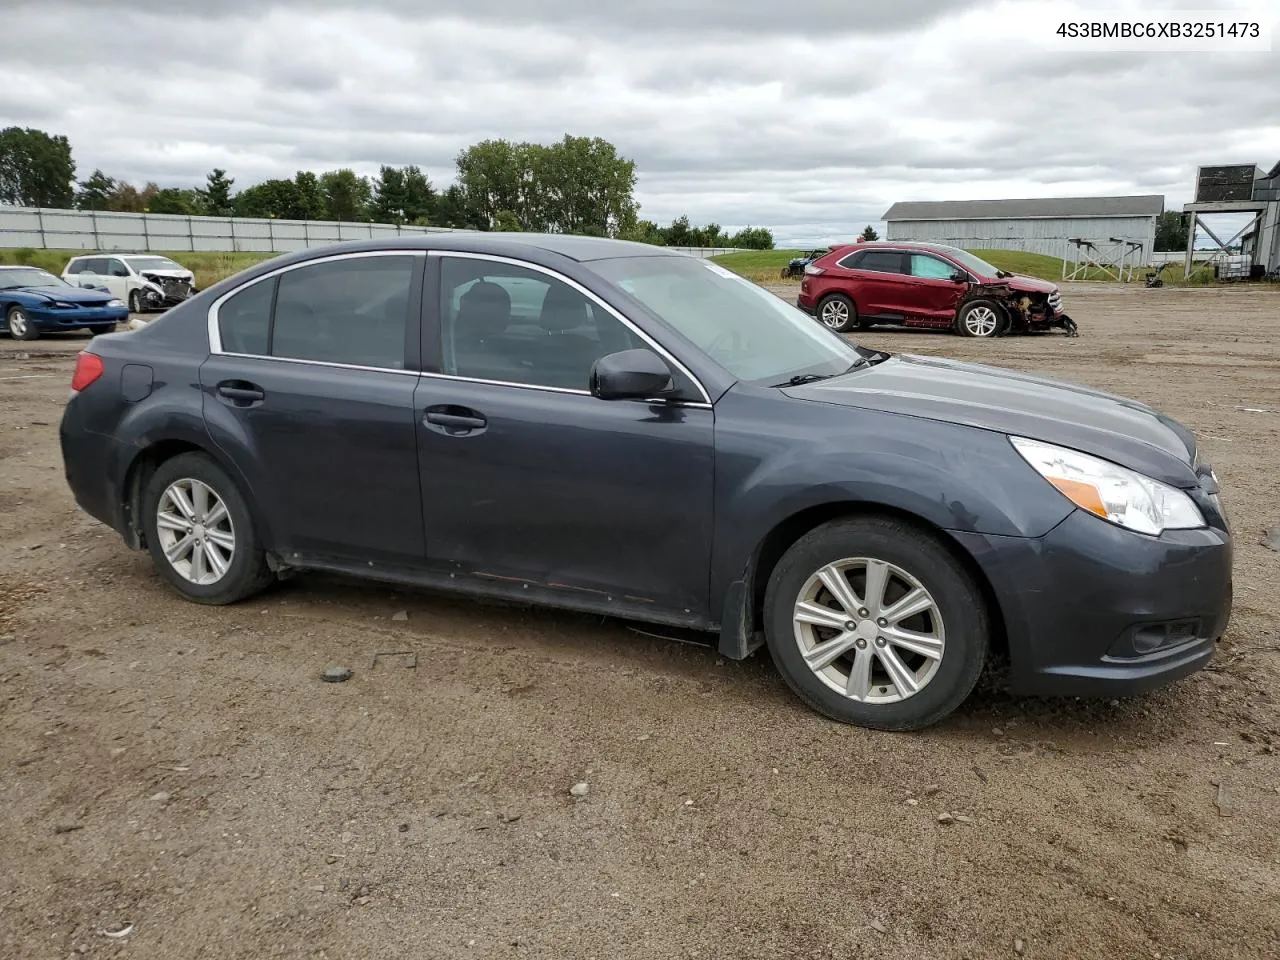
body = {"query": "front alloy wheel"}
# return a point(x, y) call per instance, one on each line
point(876, 621)
point(20, 325)
point(869, 630)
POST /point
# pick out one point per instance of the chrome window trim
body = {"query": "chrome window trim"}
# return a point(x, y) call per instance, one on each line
point(555, 275)
point(321, 363)
point(215, 336)
point(857, 253)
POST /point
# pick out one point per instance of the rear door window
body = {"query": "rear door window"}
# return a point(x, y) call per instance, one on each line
point(877, 261)
point(351, 311)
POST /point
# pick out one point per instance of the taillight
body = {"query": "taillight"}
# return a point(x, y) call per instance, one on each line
point(88, 369)
point(813, 271)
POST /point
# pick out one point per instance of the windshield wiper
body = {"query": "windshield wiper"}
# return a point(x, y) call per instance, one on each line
point(813, 377)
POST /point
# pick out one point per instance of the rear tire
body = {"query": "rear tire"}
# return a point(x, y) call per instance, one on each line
point(21, 327)
point(900, 687)
point(982, 318)
point(100, 330)
point(173, 498)
point(837, 312)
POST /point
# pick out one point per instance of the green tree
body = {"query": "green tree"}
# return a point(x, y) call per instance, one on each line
point(271, 199)
point(868, 234)
point(36, 169)
point(1171, 231)
point(346, 196)
point(507, 221)
point(389, 199)
point(751, 238)
point(419, 195)
point(580, 185)
point(173, 200)
point(679, 233)
point(310, 198)
point(490, 175)
point(215, 198)
point(95, 192)
point(452, 208)
point(126, 198)
point(644, 231)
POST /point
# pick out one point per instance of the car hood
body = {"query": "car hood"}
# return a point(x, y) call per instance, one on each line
point(69, 294)
point(1025, 284)
point(1114, 428)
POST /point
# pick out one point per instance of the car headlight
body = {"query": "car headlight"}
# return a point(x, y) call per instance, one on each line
point(115, 303)
point(1122, 496)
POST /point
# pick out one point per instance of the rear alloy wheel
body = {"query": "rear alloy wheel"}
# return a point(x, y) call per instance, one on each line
point(200, 533)
point(837, 313)
point(872, 621)
point(20, 325)
point(982, 318)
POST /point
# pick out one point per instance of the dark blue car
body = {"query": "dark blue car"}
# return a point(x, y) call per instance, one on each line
point(619, 429)
point(34, 301)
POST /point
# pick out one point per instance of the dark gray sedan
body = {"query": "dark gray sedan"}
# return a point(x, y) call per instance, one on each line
point(613, 428)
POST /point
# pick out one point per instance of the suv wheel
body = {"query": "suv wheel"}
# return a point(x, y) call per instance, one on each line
point(872, 621)
point(135, 301)
point(837, 312)
point(200, 533)
point(982, 318)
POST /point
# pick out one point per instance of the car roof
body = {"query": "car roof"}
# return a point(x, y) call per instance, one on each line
point(898, 245)
point(573, 247)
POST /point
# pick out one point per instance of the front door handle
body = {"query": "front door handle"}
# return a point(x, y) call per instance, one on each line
point(241, 393)
point(455, 420)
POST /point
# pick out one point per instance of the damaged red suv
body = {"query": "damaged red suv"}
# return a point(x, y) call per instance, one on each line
point(926, 285)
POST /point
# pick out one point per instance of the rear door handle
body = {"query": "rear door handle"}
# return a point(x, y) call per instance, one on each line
point(240, 393)
point(457, 421)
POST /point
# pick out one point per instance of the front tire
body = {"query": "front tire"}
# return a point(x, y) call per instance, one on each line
point(135, 301)
point(21, 327)
point(872, 621)
point(200, 532)
point(837, 312)
point(982, 318)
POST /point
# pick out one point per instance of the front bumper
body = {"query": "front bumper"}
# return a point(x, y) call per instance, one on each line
point(76, 318)
point(1091, 609)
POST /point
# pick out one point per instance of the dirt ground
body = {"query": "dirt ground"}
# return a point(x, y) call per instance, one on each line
point(181, 772)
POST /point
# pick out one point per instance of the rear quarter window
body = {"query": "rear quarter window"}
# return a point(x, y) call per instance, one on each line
point(244, 318)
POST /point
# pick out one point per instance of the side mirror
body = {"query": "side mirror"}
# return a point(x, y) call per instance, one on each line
point(630, 375)
point(959, 276)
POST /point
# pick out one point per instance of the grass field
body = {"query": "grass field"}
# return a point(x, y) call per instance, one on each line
point(208, 267)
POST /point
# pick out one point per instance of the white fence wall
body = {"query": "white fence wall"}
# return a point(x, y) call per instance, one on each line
point(41, 227)
point(49, 229)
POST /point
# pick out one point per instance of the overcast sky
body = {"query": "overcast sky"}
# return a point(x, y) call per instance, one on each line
point(810, 118)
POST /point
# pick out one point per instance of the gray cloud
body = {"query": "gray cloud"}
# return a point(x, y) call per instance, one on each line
point(811, 119)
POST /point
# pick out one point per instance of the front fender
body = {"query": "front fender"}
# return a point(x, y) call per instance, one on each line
point(951, 476)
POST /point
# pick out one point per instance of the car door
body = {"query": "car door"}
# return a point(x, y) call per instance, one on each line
point(309, 391)
point(935, 291)
point(117, 278)
point(879, 282)
point(530, 481)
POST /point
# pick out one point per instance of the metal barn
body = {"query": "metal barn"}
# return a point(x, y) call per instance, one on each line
point(1040, 226)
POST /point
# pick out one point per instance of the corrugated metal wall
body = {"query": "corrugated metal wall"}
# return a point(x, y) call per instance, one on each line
point(1048, 235)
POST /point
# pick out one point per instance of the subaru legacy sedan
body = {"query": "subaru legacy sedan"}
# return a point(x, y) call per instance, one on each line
point(615, 428)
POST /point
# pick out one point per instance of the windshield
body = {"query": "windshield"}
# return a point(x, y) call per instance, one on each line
point(33, 277)
point(152, 263)
point(974, 264)
point(747, 330)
